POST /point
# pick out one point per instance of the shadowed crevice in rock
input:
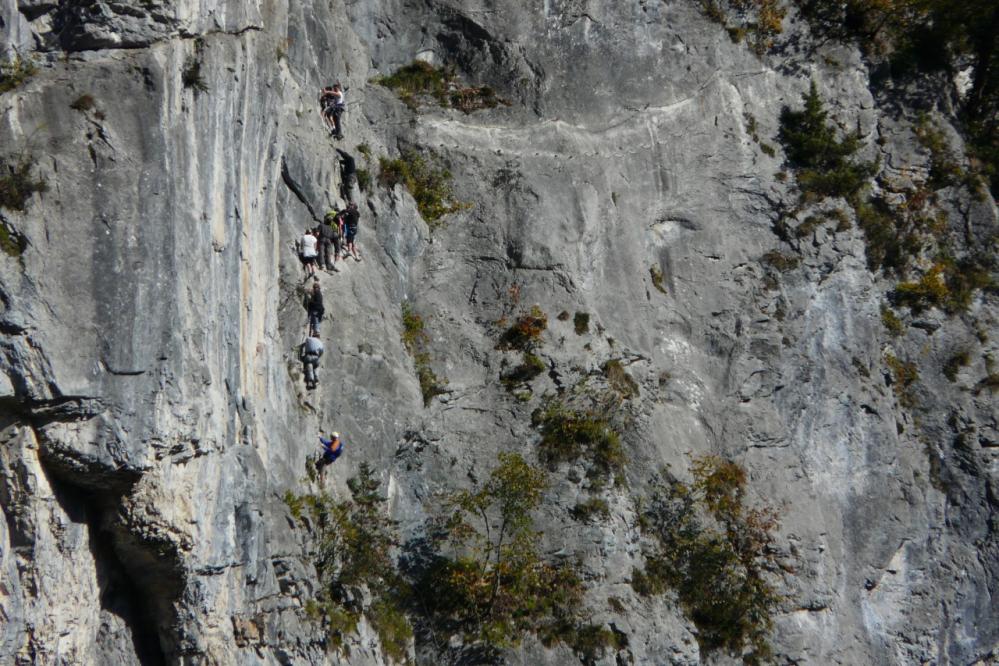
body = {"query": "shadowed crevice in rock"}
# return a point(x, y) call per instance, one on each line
point(120, 597)
point(296, 189)
point(140, 576)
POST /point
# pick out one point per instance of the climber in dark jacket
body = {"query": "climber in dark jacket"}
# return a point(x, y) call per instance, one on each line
point(348, 174)
point(332, 448)
point(351, 217)
point(314, 306)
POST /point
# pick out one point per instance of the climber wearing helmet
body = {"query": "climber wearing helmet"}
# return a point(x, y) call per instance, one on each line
point(332, 448)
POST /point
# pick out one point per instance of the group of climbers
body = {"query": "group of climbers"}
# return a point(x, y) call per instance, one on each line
point(332, 240)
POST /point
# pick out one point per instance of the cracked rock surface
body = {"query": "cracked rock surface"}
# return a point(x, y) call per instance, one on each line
point(152, 408)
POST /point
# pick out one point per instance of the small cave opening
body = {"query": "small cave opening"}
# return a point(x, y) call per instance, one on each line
point(128, 623)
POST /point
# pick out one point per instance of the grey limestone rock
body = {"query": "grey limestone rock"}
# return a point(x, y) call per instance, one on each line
point(152, 409)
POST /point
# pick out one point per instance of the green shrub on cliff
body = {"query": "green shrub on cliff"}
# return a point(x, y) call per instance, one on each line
point(429, 185)
point(17, 185)
point(14, 72)
point(568, 434)
point(354, 540)
point(716, 553)
point(416, 341)
point(824, 163)
point(491, 585)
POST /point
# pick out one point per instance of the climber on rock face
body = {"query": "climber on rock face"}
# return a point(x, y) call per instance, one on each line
point(329, 242)
point(351, 217)
point(348, 174)
point(312, 350)
point(307, 253)
point(333, 104)
point(332, 448)
point(314, 306)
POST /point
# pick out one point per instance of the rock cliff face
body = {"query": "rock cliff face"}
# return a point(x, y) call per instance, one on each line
point(153, 413)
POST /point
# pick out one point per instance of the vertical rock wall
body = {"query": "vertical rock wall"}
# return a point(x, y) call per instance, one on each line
point(152, 407)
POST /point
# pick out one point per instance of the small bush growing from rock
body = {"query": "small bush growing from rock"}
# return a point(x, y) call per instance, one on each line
point(591, 509)
point(715, 552)
point(948, 284)
point(415, 340)
point(619, 379)
point(808, 227)
point(904, 374)
point(430, 186)
point(945, 171)
point(525, 334)
point(363, 179)
point(567, 435)
point(420, 81)
point(192, 77)
point(15, 72)
point(581, 323)
point(657, 278)
point(782, 262)
point(354, 540)
point(492, 585)
point(17, 185)
point(891, 241)
point(530, 367)
point(83, 103)
point(417, 79)
point(760, 20)
point(11, 242)
point(954, 364)
point(824, 163)
point(891, 322)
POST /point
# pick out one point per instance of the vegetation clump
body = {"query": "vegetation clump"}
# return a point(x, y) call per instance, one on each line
point(491, 585)
point(954, 364)
point(581, 323)
point(530, 367)
point(191, 76)
point(949, 285)
point(592, 509)
point(416, 341)
point(14, 72)
point(893, 239)
point(759, 21)
point(17, 185)
point(824, 163)
point(525, 333)
point(922, 36)
point(83, 103)
point(354, 543)
point(716, 553)
point(429, 185)
point(620, 380)
point(904, 375)
point(780, 261)
point(891, 321)
point(419, 82)
point(12, 243)
point(568, 434)
point(658, 280)
point(945, 170)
